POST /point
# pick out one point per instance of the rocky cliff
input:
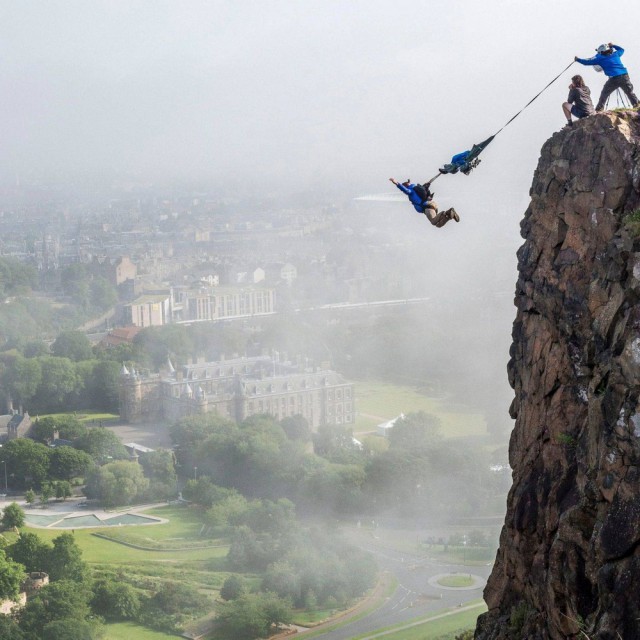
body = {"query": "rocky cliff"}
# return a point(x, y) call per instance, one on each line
point(569, 559)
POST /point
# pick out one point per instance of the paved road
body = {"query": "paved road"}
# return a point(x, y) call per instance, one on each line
point(414, 596)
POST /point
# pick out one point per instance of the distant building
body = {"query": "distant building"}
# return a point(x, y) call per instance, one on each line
point(217, 303)
point(384, 427)
point(33, 582)
point(120, 335)
point(237, 389)
point(150, 310)
point(18, 426)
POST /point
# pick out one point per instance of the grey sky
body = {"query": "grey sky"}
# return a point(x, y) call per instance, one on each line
point(308, 91)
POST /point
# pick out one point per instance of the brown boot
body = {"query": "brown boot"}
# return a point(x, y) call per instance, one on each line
point(453, 214)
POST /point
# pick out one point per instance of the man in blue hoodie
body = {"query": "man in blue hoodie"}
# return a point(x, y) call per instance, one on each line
point(422, 200)
point(607, 58)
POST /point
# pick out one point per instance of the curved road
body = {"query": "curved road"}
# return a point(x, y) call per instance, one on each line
point(414, 597)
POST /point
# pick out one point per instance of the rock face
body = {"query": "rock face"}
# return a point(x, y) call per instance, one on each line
point(569, 559)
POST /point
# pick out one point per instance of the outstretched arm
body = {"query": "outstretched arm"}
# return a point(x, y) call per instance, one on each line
point(400, 186)
point(587, 61)
point(615, 47)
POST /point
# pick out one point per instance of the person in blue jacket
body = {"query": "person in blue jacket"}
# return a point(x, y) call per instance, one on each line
point(458, 163)
point(607, 59)
point(422, 200)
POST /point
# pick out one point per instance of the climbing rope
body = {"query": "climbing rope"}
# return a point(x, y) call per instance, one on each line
point(508, 122)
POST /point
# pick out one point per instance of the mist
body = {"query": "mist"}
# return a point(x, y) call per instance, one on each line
point(276, 94)
point(209, 139)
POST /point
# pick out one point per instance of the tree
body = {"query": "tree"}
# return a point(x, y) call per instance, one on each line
point(9, 630)
point(101, 444)
point(46, 492)
point(12, 516)
point(27, 461)
point(115, 600)
point(69, 427)
point(252, 616)
point(415, 431)
point(68, 463)
point(30, 551)
point(178, 597)
point(62, 489)
point(12, 575)
point(60, 600)
point(336, 443)
point(233, 587)
point(43, 429)
point(59, 380)
point(116, 483)
point(103, 385)
point(30, 496)
point(71, 629)
point(159, 467)
point(103, 294)
point(296, 427)
point(73, 345)
point(65, 560)
point(22, 378)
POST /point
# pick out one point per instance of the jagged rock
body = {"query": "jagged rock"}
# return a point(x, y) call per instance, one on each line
point(568, 565)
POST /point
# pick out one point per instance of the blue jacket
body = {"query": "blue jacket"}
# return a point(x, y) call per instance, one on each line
point(611, 64)
point(417, 203)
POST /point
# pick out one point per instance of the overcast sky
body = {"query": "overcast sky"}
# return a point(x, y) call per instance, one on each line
point(306, 92)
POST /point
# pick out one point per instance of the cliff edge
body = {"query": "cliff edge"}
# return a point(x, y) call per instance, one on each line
point(568, 565)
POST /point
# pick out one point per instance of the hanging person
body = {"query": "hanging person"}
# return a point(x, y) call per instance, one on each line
point(422, 200)
point(607, 58)
point(579, 102)
point(458, 163)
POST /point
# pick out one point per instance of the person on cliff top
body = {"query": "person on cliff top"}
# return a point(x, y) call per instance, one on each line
point(579, 101)
point(422, 200)
point(607, 59)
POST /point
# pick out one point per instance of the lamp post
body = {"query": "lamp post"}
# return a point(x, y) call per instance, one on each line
point(195, 473)
point(5, 476)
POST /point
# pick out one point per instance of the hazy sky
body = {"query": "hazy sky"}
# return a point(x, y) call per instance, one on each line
point(306, 91)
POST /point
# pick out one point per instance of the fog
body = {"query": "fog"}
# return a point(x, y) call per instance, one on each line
point(282, 93)
point(323, 101)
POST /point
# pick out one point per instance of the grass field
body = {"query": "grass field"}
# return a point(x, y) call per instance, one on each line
point(130, 631)
point(456, 581)
point(183, 531)
point(434, 628)
point(86, 416)
point(378, 401)
point(101, 551)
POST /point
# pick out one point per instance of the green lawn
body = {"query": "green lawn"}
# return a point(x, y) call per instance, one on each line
point(389, 400)
point(183, 531)
point(456, 581)
point(130, 631)
point(99, 550)
point(433, 629)
point(86, 416)
point(183, 525)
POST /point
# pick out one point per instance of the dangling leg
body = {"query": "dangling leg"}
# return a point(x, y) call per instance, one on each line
point(440, 219)
point(435, 218)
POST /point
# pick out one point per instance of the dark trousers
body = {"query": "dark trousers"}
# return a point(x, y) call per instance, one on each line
point(617, 82)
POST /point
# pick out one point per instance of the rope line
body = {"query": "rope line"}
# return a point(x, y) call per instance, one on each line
point(517, 114)
point(532, 99)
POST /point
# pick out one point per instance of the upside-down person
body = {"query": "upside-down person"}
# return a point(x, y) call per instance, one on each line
point(422, 200)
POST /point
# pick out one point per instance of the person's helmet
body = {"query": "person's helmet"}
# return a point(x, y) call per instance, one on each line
point(602, 48)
